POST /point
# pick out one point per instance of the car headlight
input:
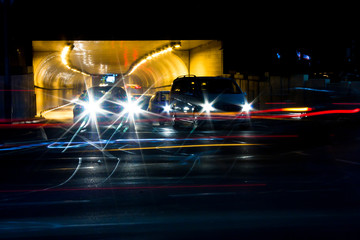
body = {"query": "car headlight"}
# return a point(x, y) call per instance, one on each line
point(246, 107)
point(167, 108)
point(132, 107)
point(92, 107)
point(207, 107)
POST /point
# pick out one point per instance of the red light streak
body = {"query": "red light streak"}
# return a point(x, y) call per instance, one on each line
point(126, 61)
point(16, 90)
point(356, 110)
point(18, 123)
point(259, 136)
point(279, 116)
point(135, 55)
point(346, 103)
point(310, 114)
point(34, 125)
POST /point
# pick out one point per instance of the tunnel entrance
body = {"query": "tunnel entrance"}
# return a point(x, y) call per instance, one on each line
point(63, 69)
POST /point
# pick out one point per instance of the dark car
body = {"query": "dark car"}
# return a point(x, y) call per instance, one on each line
point(160, 105)
point(105, 104)
point(198, 100)
point(142, 100)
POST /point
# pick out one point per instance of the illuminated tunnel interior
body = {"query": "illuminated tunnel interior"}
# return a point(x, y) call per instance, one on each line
point(63, 69)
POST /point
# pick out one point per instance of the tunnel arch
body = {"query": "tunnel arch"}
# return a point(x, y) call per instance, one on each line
point(153, 64)
point(50, 73)
point(159, 72)
point(55, 85)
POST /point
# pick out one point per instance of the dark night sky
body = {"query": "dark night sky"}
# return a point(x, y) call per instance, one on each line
point(252, 31)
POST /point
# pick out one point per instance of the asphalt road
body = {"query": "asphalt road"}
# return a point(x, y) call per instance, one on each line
point(276, 179)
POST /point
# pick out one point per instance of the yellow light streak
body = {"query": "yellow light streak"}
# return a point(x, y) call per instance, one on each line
point(182, 146)
point(299, 109)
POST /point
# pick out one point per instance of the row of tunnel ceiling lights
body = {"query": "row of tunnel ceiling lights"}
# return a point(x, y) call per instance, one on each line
point(160, 51)
point(65, 60)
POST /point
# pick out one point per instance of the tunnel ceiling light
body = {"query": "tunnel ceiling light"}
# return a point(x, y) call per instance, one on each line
point(65, 60)
point(152, 55)
point(158, 52)
point(175, 44)
point(64, 55)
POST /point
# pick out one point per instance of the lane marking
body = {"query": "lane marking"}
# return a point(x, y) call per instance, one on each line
point(346, 161)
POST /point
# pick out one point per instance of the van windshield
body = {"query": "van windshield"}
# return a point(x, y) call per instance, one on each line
point(219, 86)
point(98, 92)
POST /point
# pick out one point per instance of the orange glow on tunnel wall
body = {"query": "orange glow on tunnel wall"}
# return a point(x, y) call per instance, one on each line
point(59, 70)
point(207, 60)
point(55, 84)
point(160, 71)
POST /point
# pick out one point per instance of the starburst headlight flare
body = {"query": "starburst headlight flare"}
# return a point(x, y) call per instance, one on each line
point(207, 107)
point(167, 108)
point(92, 107)
point(132, 107)
point(246, 107)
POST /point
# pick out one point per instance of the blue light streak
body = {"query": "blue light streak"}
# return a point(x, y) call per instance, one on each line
point(135, 140)
point(23, 146)
point(80, 144)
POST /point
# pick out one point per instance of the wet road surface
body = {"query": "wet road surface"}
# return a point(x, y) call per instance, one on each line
point(276, 179)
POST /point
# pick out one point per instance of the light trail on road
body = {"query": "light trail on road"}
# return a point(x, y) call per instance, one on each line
point(119, 188)
point(80, 144)
point(181, 146)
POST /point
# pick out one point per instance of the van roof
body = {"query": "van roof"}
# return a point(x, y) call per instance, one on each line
point(193, 77)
